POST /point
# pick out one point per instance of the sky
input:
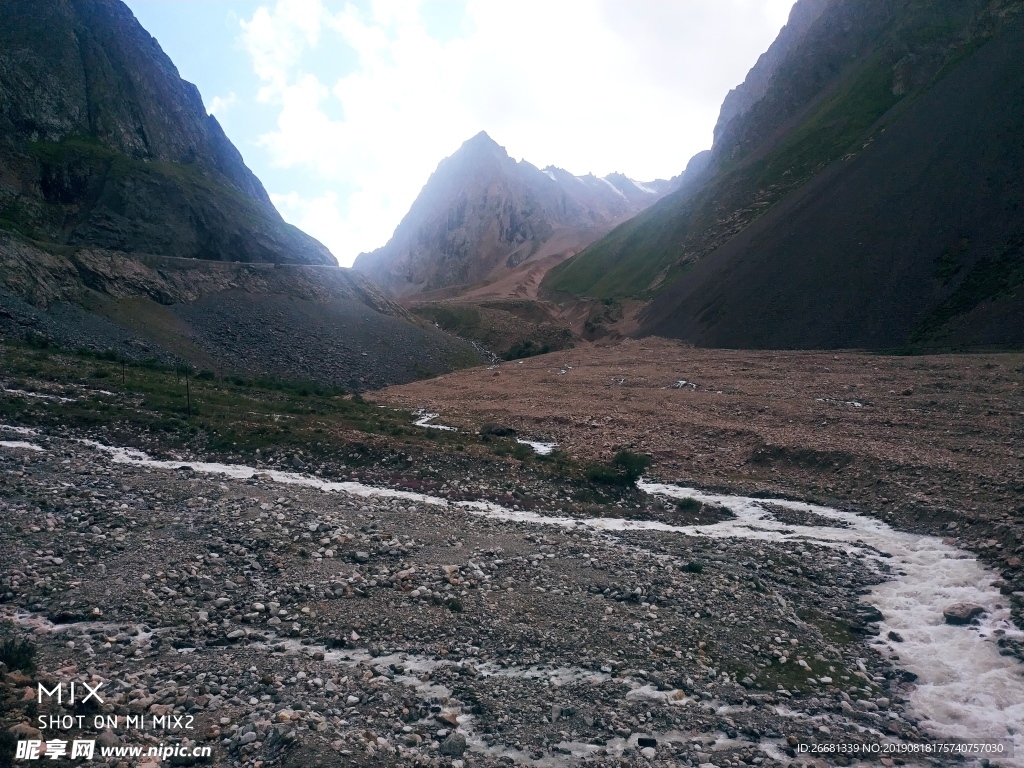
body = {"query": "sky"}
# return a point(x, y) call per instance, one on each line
point(344, 109)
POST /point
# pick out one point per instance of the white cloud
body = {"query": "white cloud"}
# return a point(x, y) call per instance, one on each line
point(586, 85)
point(219, 105)
point(276, 39)
point(319, 216)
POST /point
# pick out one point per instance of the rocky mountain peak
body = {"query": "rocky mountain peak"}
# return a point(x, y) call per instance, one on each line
point(482, 214)
point(103, 144)
point(741, 98)
point(480, 159)
point(482, 142)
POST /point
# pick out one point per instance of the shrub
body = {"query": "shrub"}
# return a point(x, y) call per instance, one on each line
point(18, 654)
point(602, 473)
point(36, 340)
point(624, 469)
point(522, 452)
point(632, 464)
point(688, 505)
point(454, 604)
point(497, 430)
point(526, 348)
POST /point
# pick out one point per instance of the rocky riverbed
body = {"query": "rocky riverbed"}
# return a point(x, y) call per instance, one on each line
point(298, 625)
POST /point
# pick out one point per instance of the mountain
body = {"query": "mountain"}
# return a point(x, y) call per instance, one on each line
point(863, 190)
point(482, 216)
point(103, 144)
point(130, 225)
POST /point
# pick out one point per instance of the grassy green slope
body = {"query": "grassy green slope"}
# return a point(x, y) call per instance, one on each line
point(92, 195)
point(662, 242)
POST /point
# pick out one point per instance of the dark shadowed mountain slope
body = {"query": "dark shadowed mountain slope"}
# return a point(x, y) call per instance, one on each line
point(917, 238)
point(868, 198)
point(130, 225)
point(291, 321)
point(103, 144)
point(744, 96)
point(482, 215)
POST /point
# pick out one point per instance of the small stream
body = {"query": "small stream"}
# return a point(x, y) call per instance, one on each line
point(965, 689)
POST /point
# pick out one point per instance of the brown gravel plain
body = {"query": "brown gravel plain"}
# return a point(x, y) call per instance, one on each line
point(924, 441)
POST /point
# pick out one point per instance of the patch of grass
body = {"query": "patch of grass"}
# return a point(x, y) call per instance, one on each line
point(18, 654)
point(526, 348)
point(229, 415)
point(82, 167)
point(240, 420)
point(951, 262)
point(835, 632)
point(624, 469)
point(522, 452)
point(987, 279)
point(508, 447)
point(25, 217)
point(511, 329)
point(460, 319)
point(657, 246)
point(688, 505)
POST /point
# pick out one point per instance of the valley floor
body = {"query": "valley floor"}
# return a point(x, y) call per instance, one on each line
point(305, 615)
point(932, 443)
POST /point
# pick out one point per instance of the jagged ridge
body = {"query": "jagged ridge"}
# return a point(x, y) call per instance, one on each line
point(482, 214)
point(729, 259)
point(103, 144)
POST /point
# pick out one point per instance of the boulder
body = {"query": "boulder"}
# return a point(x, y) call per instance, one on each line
point(454, 745)
point(962, 613)
point(25, 731)
point(497, 430)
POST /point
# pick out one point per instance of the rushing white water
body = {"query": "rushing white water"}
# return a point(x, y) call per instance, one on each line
point(540, 448)
point(19, 444)
point(425, 418)
point(416, 672)
point(37, 395)
point(19, 430)
point(965, 688)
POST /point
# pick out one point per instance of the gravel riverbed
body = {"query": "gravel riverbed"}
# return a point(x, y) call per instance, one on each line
point(302, 627)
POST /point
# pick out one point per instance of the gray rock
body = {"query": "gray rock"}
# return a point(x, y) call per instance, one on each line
point(454, 745)
point(108, 739)
point(962, 613)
